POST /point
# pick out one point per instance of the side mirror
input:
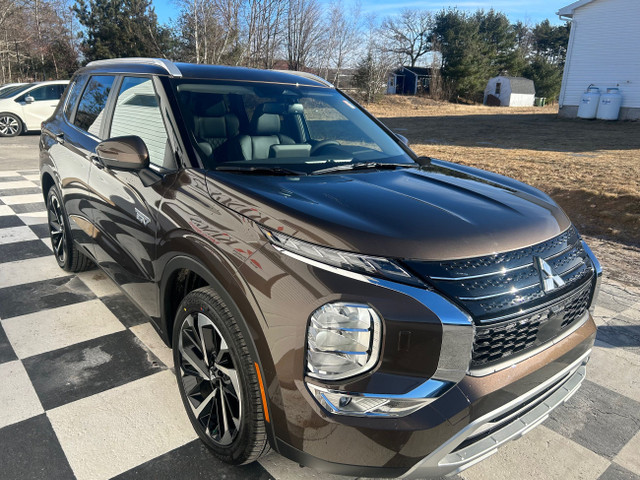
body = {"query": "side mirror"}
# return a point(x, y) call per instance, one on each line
point(403, 139)
point(123, 153)
point(29, 99)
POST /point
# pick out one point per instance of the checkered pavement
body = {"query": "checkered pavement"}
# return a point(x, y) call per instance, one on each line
point(87, 391)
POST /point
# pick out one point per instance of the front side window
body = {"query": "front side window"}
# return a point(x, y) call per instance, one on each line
point(46, 92)
point(137, 112)
point(91, 108)
point(271, 126)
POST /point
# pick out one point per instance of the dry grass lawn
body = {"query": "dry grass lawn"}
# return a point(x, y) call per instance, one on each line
point(591, 168)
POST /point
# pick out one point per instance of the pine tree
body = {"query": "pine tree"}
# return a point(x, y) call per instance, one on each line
point(121, 28)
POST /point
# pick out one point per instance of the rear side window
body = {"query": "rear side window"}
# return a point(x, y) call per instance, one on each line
point(137, 112)
point(91, 108)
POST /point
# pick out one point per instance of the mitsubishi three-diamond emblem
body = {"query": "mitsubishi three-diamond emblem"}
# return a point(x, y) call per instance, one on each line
point(550, 281)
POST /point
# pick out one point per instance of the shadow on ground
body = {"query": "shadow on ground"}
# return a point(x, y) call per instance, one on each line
point(544, 132)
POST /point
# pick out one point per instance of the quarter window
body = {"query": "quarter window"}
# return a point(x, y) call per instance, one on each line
point(137, 112)
point(91, 108)
point(72, 97)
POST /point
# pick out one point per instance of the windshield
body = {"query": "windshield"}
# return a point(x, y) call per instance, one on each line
point(288, 129)
point(15, 90)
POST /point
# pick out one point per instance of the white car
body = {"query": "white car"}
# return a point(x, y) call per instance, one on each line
point(26, 108)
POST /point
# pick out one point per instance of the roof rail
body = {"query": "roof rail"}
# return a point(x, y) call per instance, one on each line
point(168, 65)
point(310, 76)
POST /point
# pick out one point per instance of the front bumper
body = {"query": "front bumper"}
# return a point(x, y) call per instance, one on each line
point(482, 437)
point(476, 418)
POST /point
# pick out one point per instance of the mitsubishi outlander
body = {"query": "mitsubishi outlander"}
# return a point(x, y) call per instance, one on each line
point(326, 292)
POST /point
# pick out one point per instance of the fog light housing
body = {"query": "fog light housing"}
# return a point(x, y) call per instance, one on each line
point(343, 340)
point(366, 405)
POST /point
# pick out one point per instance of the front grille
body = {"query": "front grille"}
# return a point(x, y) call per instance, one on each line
point(495, 286)
point(505, 295)
point(494, 342)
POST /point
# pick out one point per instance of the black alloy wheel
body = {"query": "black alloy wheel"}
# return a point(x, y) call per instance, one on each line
point(57, 230)
point(210, 378)
point(66, 252)
point(217, 379)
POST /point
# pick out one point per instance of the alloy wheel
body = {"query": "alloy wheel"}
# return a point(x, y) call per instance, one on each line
point(56, 229)
point(9, 125)
point(210, 379)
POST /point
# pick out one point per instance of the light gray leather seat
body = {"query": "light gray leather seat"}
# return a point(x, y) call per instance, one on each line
point(213, 129)
point(265, 129)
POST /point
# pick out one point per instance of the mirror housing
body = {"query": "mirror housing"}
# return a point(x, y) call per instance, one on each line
point(403, 139)
point(124, 153)
point(29, 99)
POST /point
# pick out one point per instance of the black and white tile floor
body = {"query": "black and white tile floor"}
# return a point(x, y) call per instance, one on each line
point(87, 391)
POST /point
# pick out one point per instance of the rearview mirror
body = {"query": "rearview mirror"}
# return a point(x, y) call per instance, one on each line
point(124, 153)
point(403, 139)
point(29, 99)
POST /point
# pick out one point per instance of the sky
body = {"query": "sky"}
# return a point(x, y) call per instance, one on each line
point(528, 11)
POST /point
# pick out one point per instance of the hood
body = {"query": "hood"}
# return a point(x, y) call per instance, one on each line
point(442, 212)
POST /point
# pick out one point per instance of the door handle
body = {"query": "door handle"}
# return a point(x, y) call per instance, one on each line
point(60, 138)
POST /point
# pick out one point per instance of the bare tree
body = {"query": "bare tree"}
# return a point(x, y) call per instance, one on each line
point(339, 44)
point(263, 31)
point(304, 30)
point(408, 34)
point(373, 69)
point(209, 30)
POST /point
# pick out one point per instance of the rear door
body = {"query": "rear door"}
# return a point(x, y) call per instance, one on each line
point(46, 98)
point(125, 211)
point(76, 137)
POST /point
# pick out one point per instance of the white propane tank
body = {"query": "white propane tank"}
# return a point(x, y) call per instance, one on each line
point(589, 103)
point(609, 106)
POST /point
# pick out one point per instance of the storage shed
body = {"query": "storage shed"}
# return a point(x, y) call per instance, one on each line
point(510, 92)
point(603, 51)
point(409, 81)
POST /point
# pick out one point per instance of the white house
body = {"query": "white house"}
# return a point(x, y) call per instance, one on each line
point(510, 92)
point(604, 50)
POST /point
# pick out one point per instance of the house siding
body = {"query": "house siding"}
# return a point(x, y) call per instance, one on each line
point(603, 50)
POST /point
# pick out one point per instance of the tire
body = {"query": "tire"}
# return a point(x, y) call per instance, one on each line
point(10, 125)
point(66, 252)
point(221, 395)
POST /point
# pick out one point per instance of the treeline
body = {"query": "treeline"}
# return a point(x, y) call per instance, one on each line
point(42, 39)
point(38, 40)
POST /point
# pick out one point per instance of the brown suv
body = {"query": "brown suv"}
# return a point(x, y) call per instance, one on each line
point(326, 292)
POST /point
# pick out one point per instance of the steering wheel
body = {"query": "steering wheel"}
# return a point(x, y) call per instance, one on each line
point(321, 144)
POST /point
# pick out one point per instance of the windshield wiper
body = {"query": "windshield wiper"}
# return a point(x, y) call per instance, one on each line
point(363, 166)
point(258, 169)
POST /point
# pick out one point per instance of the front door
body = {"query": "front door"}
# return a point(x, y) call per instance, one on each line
point(125, 211)
point(45, 101)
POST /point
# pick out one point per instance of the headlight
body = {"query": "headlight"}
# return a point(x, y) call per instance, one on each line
point(343, 340)
point(366, 264)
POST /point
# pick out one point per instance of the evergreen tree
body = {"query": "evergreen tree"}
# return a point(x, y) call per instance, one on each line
point(546, 76)
point(121, 28)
